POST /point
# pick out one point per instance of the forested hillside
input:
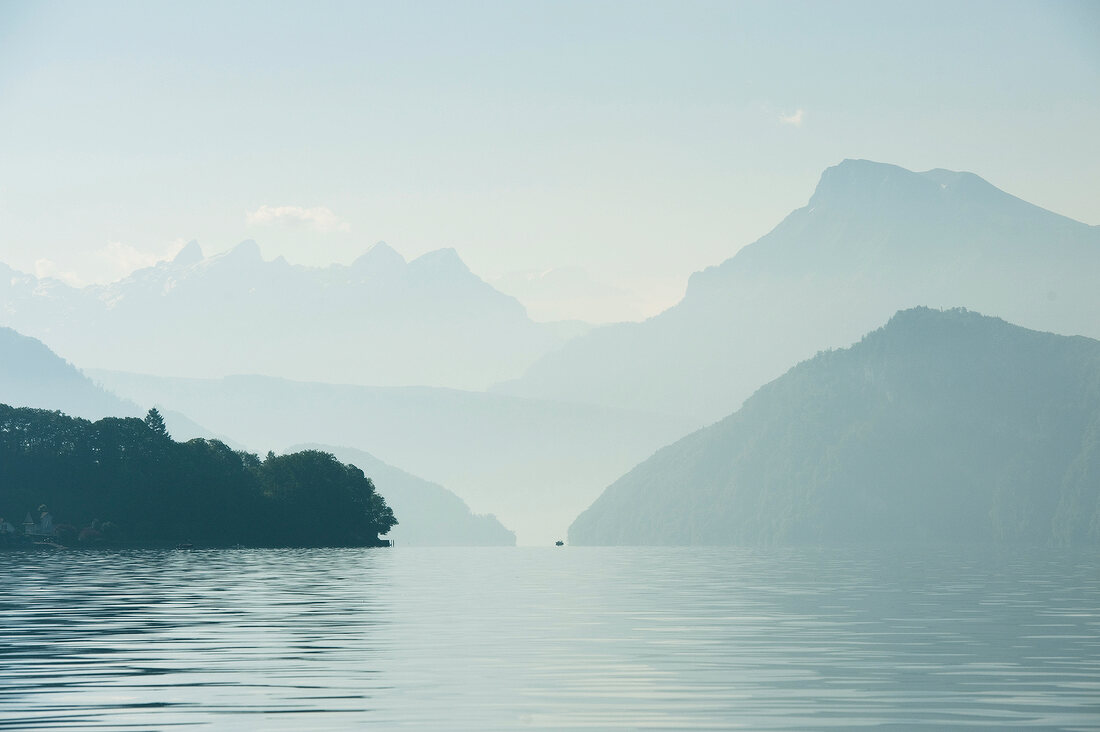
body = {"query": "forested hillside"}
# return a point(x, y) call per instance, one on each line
point(939, 427)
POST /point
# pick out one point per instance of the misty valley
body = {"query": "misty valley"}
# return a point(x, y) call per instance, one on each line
point(858, 460)
point(953, 395)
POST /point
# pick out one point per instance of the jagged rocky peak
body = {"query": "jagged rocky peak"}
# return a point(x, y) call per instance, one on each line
point(247, 249)
point(245, 253)
point(441, 260)
point(380, 256)
point(189, 255)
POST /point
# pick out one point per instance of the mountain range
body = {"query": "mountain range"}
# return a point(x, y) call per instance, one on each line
point(378, 321)
point(873, 239)
point(941, 427)
point(347, 350)
point(31, 375)
point(533, 463)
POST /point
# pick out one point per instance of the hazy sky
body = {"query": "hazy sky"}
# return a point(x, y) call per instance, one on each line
point(617, 146)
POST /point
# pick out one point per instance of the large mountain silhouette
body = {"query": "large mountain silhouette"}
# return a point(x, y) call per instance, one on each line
point(379, 320)
point(873, 239)
point(941, 427)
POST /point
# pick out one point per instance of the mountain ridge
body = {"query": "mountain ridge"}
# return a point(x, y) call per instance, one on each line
point(874, 239)
point(380, 320)
point(943, 426)
point(33, 376)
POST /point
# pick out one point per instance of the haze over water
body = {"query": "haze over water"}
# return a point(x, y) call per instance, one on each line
point(550, 638)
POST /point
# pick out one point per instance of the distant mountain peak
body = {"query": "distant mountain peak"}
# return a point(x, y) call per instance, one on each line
point(873, 239)
point(953, 178)
point(865, 166)
point(246, 254)
point(865, 170)
point(859, 182)
point(247, 249)
point(378, 256)
point(866, 183)
point(190, 254)
point(941, 426)
point(442, 260)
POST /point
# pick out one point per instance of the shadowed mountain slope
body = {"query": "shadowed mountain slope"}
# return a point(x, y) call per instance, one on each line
point(940, 427)
point(31, 375)
point(873, 239)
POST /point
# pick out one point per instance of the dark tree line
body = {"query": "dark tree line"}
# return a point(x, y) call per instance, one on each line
point(150, 488)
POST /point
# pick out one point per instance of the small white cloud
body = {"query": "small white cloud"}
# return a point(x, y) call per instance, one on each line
point(793, 119)
point(112, 262)
point(320, 218)
point(44, 268)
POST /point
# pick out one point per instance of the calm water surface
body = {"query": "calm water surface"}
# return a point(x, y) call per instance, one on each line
point(571, 638)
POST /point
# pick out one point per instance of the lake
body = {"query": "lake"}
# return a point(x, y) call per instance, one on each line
point(569, 638)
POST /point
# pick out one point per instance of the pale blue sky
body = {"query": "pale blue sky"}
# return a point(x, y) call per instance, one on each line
point(635, 141)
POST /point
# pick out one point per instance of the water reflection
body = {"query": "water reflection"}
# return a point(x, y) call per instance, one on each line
point(555, 638)
point(164, 636)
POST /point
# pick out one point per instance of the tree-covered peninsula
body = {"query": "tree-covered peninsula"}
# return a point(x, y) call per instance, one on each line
point(125, 480)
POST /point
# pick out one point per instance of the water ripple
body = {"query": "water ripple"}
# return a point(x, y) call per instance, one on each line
point(557, 638)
